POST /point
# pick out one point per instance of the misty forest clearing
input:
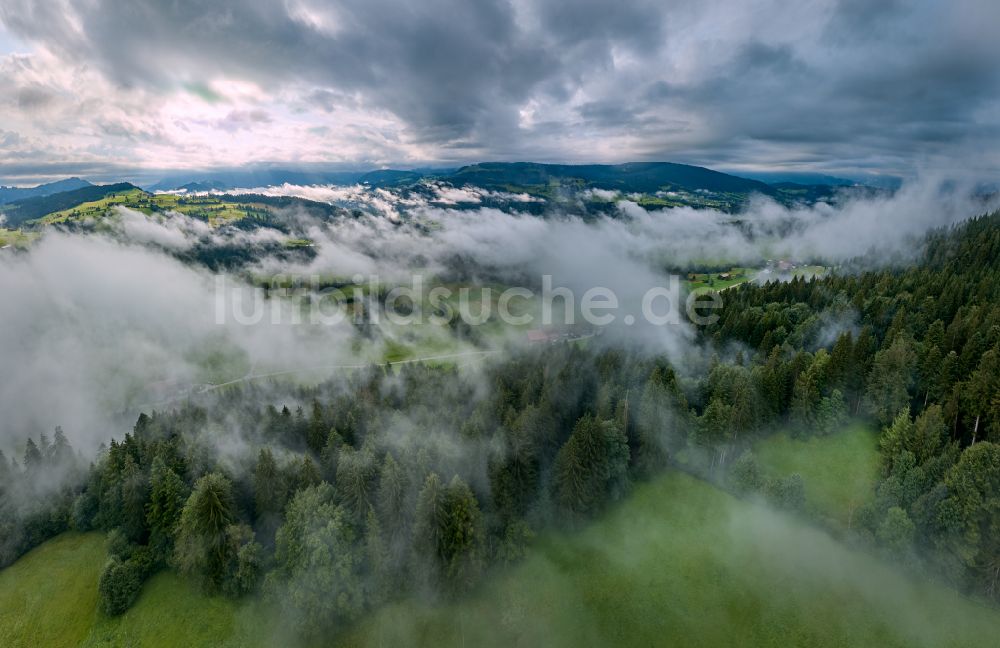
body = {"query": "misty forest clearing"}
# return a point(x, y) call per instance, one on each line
point(839, 470)
point(678, 563)
point(684, 564)
point(49, 598)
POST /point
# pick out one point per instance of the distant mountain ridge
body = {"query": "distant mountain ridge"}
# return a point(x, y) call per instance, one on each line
point(392, 177)
point(641, 177)
point(207, 185)
point(10, 194)
point(255, 178)
point(655, 185)
point(799, 178)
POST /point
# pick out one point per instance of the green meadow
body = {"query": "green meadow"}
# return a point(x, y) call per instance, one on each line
point(839, 470)
point(49, 598)
point(16, 237)
point(684, 564)
point(721, 279)
point(209, 208)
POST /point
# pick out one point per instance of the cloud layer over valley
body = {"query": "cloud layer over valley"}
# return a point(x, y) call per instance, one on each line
point(115, 321)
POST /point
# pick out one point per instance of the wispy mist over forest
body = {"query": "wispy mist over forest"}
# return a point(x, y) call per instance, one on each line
point(103, 316)
point(516, 322)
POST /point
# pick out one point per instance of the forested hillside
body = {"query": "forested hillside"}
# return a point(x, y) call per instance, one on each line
point(332, 500)
point(921, 356)
point(647, 177)
point(336, 504)
point(10, 194)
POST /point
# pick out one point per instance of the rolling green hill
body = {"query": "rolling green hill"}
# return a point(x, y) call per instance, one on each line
point(21, 211)
point(96, 201)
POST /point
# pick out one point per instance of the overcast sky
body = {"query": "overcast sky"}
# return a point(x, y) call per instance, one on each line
point(104, 87)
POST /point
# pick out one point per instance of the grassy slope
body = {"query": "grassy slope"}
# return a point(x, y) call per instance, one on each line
point(678, 564)
point(94, 208)
point(209, 208)
point(16, 237)
point(172, 612)
point(839, 470)
point(683, 564)
point(49, 598)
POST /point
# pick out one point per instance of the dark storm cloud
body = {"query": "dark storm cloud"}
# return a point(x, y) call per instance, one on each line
point(894, 84)
point(443, 65)
point(848, 84)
